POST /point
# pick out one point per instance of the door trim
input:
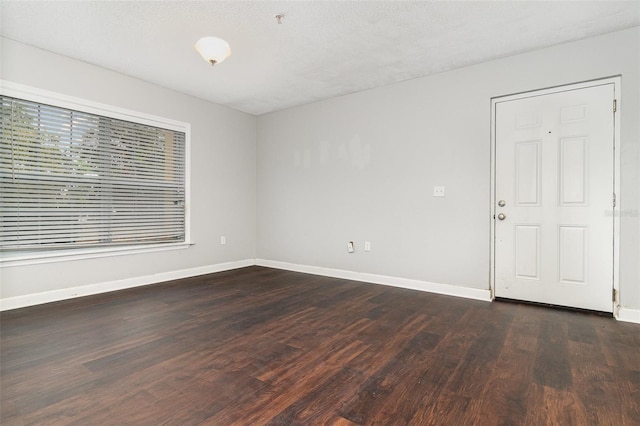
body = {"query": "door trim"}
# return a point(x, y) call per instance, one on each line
point(616, 81)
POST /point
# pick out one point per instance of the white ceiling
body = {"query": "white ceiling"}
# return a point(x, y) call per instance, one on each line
point(322, 49)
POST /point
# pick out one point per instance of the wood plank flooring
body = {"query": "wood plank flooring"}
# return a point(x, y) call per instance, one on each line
point(259, 346)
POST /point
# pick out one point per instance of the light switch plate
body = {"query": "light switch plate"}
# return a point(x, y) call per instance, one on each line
point(438, 191)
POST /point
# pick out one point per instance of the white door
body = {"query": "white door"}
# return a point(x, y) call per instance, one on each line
point(554, 186)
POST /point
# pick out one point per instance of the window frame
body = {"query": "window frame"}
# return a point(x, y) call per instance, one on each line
point(28, 93)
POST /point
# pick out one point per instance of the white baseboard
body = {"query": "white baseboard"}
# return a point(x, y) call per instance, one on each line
point(629, 315)
point(624, 314)
point(73, 292)
point(447, 289)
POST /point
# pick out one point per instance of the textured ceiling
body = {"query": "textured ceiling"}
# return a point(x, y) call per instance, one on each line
point(322, 48)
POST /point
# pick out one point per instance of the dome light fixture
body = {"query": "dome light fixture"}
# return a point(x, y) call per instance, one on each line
point(213, 49)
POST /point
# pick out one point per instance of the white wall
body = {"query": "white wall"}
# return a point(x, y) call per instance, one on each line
point(363, 166)
point(223, 173)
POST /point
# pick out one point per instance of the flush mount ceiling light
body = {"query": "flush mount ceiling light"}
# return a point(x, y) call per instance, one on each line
point(213, 49)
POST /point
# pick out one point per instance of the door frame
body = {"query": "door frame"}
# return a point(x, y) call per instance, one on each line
point(616, 81)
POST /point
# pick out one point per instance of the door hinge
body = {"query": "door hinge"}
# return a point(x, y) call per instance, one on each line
point(614, 295)
point(615, 105)
point(614, 199)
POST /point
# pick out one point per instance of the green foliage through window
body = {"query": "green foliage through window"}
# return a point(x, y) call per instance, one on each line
point(71, 179)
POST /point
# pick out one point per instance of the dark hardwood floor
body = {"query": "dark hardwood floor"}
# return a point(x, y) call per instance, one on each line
point(261, 346)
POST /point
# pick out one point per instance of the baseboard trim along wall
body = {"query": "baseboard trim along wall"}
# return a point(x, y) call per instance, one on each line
point(629, 315)
point(88, 290)
point(446, 289)
point(624, 314)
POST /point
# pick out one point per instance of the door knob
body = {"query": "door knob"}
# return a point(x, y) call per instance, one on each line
point(502, 216)
point(501, 203)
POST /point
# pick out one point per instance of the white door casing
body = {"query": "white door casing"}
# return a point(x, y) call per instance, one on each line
point(554, 168)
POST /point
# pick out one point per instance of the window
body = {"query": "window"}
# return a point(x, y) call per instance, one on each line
point(74, 180)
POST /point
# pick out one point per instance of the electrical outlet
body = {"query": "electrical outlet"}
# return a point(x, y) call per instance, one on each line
point(438, 191)
point(350, 247)
point(367, 246)
point(223, 240)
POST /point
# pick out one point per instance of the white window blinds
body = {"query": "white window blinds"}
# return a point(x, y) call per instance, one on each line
point(71, 179)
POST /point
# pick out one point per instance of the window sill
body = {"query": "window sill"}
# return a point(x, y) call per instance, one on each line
point(25, 259)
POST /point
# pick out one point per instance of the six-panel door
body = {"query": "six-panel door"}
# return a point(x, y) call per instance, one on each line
point(554, 174)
